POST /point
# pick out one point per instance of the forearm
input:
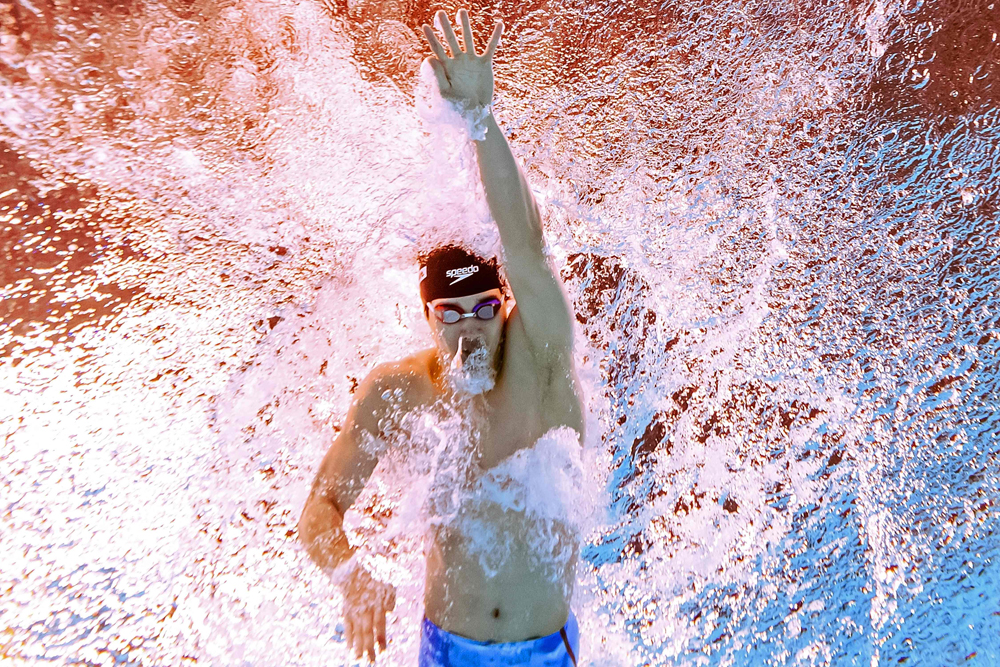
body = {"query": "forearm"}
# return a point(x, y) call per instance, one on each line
point(321, 531)
point(507, 193)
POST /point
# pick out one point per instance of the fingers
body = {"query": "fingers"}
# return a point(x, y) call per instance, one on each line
point(349, 633)
point(375, 640)
point(379, 620)
point(365, 631)
point(440, 73)
point(365, 645)
point(463, 18)
point(435, 43)
point(494, 40)
point(449, 33)
point(366, 603)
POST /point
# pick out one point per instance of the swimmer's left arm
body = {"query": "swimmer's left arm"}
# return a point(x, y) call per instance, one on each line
point(541, 302)
point(542, 306)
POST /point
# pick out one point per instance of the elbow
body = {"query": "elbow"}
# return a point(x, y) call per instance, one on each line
point(309, 535)
point(310, 523)
point(304, 532)
point(319, 517)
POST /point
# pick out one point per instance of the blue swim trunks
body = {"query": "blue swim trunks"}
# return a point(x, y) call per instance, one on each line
point(443, 649)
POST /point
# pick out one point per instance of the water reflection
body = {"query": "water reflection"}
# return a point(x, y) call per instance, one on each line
point(778, 225)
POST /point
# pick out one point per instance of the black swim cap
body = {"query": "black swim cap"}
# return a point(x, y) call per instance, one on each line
point(449, 272)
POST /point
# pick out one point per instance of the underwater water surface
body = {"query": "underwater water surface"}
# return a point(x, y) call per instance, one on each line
point(778, 224)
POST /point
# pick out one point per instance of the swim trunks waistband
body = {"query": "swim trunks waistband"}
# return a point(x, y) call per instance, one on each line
point(439, 648)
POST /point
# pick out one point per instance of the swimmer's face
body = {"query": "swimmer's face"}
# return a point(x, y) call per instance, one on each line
point(489, 331)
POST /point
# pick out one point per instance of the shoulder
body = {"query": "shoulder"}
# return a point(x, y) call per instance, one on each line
point(394, 384)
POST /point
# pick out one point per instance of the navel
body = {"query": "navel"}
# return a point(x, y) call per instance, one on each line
point(496, 612)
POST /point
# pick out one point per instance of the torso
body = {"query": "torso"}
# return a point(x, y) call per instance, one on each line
point(520, 596)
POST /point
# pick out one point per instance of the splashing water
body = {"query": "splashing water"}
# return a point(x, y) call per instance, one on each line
point(471, 370)
point(778, 226)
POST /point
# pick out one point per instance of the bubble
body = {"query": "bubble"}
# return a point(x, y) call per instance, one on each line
point(776, 228)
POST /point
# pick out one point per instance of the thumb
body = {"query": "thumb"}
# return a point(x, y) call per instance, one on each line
point(440, 73)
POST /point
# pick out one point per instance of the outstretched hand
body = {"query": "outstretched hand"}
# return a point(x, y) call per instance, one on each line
point(464, 77)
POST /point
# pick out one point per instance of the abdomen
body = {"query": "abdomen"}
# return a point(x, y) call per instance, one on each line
point(496, 575)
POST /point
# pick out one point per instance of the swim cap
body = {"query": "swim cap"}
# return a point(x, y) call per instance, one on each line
point(449, 272)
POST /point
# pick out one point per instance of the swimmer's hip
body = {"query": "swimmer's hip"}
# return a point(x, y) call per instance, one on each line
point(439, 648)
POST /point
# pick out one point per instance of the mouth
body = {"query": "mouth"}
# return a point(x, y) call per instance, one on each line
point(471, 370)
point(468, 347)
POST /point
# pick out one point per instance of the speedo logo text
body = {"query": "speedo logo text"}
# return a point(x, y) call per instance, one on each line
point(461, 274)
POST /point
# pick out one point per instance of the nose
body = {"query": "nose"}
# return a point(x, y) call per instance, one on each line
point(469, 326)
point(467, 330)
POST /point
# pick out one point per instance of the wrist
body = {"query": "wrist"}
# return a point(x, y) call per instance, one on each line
point(344, 570)
point(478, 119)
point(330, 550)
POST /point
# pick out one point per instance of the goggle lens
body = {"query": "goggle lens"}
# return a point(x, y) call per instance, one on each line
point(486, 310)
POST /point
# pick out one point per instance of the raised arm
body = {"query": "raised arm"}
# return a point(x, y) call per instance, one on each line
point(467, 79)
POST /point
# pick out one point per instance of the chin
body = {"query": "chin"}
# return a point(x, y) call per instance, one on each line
point(471, 386)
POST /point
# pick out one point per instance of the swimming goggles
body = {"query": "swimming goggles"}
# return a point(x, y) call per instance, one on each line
point(484, 310)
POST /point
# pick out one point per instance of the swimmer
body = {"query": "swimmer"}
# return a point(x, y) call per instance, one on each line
point(509, 360)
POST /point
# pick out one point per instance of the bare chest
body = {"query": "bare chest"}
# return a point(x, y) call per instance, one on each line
point(508, 424)
point(516, 414)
